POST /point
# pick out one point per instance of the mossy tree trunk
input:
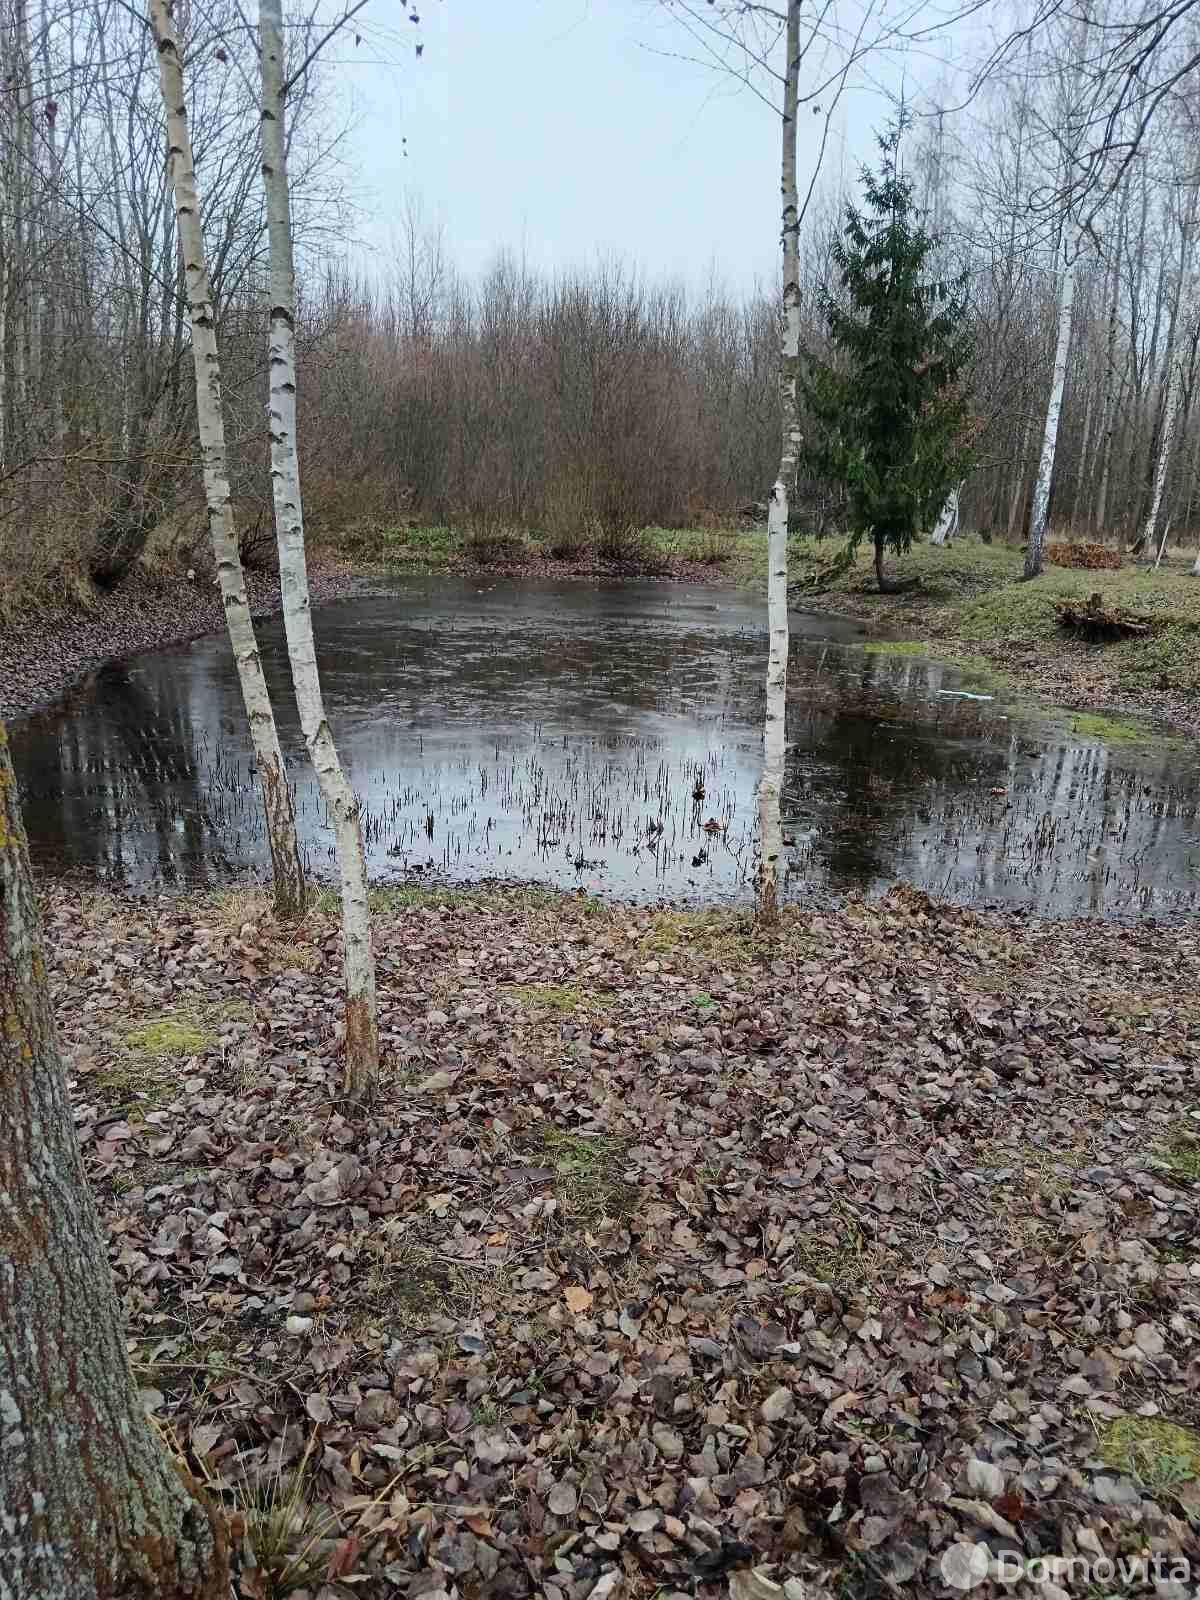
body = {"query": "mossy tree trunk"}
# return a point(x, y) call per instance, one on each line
point(90, 1504)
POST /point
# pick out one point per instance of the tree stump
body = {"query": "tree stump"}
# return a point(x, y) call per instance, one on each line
point(1095, 620)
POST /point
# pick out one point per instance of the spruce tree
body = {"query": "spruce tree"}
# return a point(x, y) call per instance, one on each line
point(887, 417)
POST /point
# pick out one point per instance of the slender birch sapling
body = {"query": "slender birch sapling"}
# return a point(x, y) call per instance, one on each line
point(362, 1033)
point(770, 788)
point(1040, 510)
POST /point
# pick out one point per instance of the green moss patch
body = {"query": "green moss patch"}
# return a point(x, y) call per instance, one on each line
point(566, 999)
point(1115, 730)
point(1161, 1455)
point(175, 1035)
point(895, 647)
point(1181, 1154)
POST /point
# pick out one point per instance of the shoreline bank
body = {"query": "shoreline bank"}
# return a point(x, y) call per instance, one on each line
point(58, 646)
point(54, 649)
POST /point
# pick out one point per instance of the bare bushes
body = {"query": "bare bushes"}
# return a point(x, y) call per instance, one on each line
point(568, 520)
point(491, 538)
point(583, 407)
point(624, 542)
point(713, 545)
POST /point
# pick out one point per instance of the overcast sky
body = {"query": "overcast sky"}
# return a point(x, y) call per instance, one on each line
point(554, 127)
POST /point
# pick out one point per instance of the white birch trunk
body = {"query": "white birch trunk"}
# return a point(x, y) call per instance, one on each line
point(362, 1031)
point(947, 524)
point(1041, 489)
point(770, 789)
point(277, 797)
point(1165, 445)
point(1162, 544)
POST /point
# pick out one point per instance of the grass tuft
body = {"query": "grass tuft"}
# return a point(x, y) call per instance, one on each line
point(1161, 1455)
point(589, 1167)
point(284, 1542)
point(176, 1035)
point(567, 999)
point(131, 1085)
point(726, 937)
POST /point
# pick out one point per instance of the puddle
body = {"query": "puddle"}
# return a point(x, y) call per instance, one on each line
point(607, 737)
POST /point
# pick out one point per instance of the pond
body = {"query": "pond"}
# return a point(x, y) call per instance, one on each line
point(606, 737)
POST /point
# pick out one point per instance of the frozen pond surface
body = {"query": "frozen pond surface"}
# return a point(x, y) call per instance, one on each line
point(565, 731)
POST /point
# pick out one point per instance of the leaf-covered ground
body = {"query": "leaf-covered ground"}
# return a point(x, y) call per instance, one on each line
point(665, 1263)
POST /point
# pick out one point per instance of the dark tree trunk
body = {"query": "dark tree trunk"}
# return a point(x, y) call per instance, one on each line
point(91, 1507)
point(888, 586)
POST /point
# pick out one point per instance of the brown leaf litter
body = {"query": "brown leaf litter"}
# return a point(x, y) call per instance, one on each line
point(766, 1269)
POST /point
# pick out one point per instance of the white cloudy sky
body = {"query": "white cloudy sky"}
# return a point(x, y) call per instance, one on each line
point(557, 128)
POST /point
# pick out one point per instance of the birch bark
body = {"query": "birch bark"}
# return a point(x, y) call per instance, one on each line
point(362, 1032)
point(1041, 489)
point(1180, 318)
point(770, 789)
point(947, 523)
point(1165, 447)
point(277, 797)
point(90, 1504)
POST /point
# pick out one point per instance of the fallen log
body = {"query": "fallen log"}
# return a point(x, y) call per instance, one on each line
point(1095, 620)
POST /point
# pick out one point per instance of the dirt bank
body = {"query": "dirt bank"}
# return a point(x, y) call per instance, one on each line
point(52, 648)
point(665, 1262)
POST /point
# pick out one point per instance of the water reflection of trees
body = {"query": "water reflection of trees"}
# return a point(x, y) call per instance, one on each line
point(533, 717)
point(894, 781)
point(118, 779)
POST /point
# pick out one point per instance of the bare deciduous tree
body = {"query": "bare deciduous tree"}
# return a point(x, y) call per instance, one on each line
point(770, 788)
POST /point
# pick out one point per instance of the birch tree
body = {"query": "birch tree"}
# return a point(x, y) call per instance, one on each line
point(362, 1035)
point(1174, 379)
point(741, 38)
point(770, 788)
point(1058, 380)
point(946, 525)
point(277, 796)
point(90, 1504)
